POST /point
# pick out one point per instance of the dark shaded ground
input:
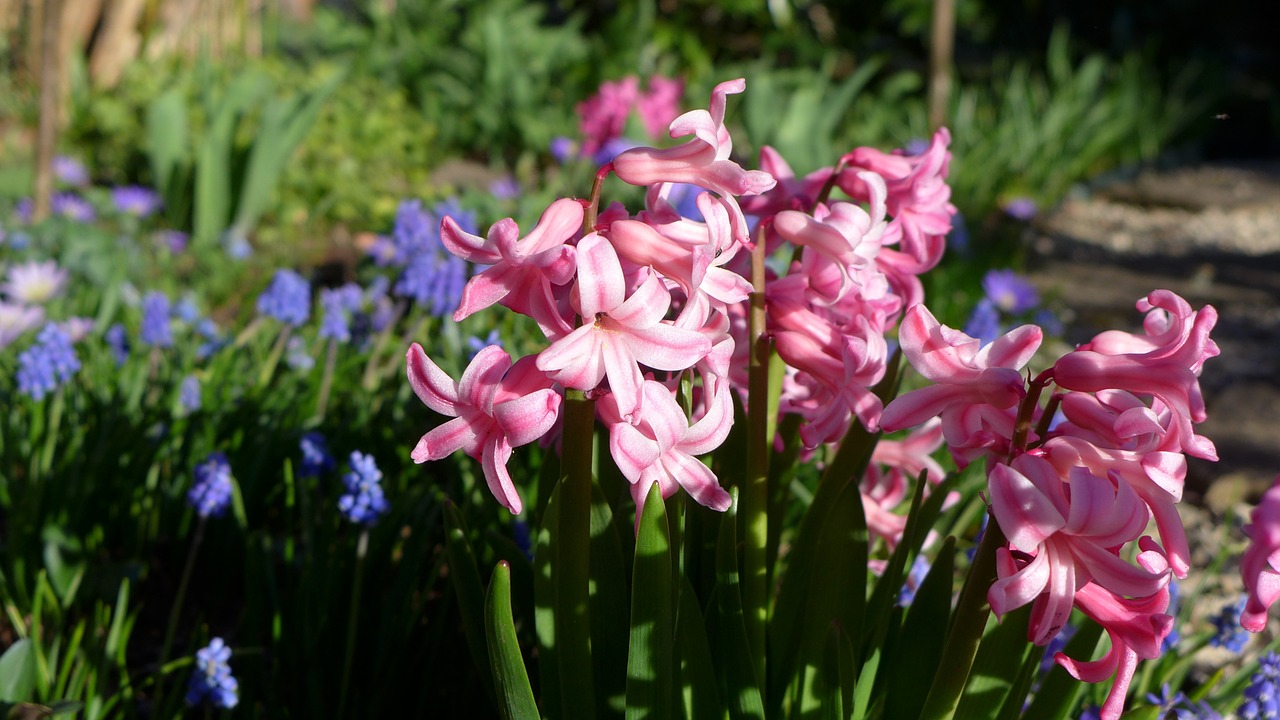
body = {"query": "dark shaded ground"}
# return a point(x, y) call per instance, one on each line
point(1212, 234)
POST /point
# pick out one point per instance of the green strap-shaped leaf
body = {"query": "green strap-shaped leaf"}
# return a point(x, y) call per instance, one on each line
point(995, 667)
point(544, 595)
point(700, 692)
point(465, 576)
point(18, 671)
point(742, 687)
point(650, 668)
point(510, 680)
point(609, 603)
point(908, 663)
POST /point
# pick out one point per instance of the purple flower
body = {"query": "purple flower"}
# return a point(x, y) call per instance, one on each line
point(212, 680)
point(563, 149)
point(315, 455)
point(236, 244)
point(1012, 293)
point(48, 363)
point(1049, 322)
point(1226, 627)
point(505, 188)
point(69, 171)
point(363, 503)
point(919, 569)
point(1262, 697)
point(156, 328)
point(118, 342)
point(287, 299)
point(337, 306)
point(915, 146)
point(984, 323)
point(175, 240)
point(434, 282)
point(475, 344)
point(611, 148)
point(213, 338)
point(72, 207)
point(1021, 208)
point(958, 238)
point(211, 493)
point(189, 394)
point(136, 200)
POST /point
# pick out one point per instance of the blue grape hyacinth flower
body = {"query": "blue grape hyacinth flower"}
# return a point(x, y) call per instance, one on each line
point(211, 493)
point(363, 503)
point(287, 299)
point(156, 328)
point(315, 455)
point(47, 364)
point(212, 681)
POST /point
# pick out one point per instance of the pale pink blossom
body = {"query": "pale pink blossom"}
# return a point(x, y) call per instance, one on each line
point(619, 332)
point(660, 104)
point(603, 116)
point(663, 447)
point(893, 464)
point(1137, 627)
point(790, 193)
point(524, 271)
point(1260, 564)
point(1069, 530)
point(918, 194)
point(34, 283)
point(703, 160)
point(965, 372)
point(495, 406)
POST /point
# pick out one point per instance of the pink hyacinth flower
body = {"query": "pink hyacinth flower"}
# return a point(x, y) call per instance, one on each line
point(1070, 529)
point(1137, 628)
point(496, 406)
point(603, 116)
point(1260, 564)
point(660, 104)
point(663, 447)
point(919, 197)
point(524, 270)
point(966, 373)
point(703, 160)
point(790, 193)
point(619, 333)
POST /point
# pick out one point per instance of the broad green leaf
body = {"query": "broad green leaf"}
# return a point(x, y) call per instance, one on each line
point(608, 604)
point(918, 652)
point(995, 667)
point(18, 671)
point(510, 679)
point(650, 666)
point(544, 595)
point(697, 671)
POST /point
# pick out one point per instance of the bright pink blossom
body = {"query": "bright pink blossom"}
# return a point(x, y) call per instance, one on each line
point(619, 332)
point(1260, 564)
point(965, 372)
point(663, 447)
point(1069, 530)
point(524, 270)
point(603, 116)
point(1137, 628)
point(703, 160)
point(919, 197)
point(660, 104)
point(496, 406)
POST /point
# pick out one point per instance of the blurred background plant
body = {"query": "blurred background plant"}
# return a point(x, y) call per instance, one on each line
point(292, 131)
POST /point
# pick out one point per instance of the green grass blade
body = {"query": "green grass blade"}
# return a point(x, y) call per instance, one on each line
point(742, 687)
point(510, 680)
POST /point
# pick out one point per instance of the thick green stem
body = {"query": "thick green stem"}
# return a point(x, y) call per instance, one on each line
point(573, 557)
point(753, 499)
point(353, 619)
point(967, 626)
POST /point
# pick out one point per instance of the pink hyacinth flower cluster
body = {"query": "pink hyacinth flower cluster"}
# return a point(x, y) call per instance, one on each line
point(1260, 565)
point(603, 116)
point(1074, 495)
point(639, 300)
